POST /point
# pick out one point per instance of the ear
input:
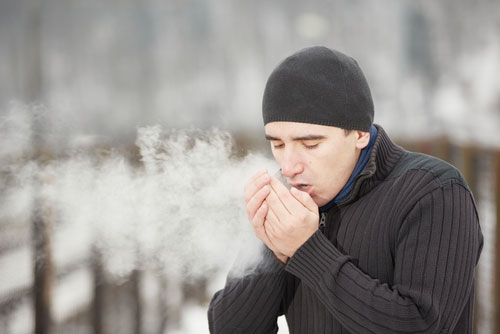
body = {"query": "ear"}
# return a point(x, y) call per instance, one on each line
point(362, 140)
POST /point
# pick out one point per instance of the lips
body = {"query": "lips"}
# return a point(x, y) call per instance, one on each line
point(302, 187)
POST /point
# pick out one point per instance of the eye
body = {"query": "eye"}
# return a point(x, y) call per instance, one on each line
point(311, 146)
point(278, 145)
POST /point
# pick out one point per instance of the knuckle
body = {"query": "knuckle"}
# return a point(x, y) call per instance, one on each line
point(270, 228)
point(262, 191)
point(302, 216)
point(289, 229)
point(250, 213)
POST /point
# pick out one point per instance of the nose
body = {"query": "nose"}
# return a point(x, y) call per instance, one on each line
point(291, 164)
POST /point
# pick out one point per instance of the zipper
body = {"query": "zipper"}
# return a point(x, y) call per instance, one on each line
point(322, 221)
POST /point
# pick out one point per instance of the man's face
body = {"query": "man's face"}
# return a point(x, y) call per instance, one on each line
point(315, 158)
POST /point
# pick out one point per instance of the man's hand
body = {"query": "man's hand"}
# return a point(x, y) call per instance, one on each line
point(256, 191)
point(292, 217)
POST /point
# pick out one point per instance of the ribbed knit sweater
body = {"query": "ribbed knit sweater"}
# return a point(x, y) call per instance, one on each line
point(397, 256)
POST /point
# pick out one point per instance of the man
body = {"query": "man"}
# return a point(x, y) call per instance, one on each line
point(370, 238)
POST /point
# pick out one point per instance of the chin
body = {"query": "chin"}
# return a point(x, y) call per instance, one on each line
point(319, 201)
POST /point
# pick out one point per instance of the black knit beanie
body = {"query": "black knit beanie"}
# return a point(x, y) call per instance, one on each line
point(320, 86)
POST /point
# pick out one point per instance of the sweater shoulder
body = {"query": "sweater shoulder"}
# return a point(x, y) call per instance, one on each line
point(442, 172)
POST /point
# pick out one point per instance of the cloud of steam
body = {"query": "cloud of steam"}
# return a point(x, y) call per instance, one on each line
point(180, 210)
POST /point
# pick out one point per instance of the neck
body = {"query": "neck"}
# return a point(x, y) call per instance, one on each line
point(360, 165)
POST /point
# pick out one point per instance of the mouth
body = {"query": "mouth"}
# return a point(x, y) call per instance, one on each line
point(302, 187)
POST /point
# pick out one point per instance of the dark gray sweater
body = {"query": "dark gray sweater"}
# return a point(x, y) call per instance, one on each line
point(397, 256)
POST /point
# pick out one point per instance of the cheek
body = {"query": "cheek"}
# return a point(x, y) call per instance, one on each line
point(276, 155)
point(331, 166)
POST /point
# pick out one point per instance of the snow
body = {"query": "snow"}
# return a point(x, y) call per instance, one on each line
point(16, 270)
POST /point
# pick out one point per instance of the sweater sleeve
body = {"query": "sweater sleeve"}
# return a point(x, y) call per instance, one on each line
point(249, 304)
point(436, 250)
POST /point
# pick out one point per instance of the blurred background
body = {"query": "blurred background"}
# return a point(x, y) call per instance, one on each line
point(128, 128)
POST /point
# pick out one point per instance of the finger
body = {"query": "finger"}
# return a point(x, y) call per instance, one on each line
point(278, 186)
point(271, 229)
point(256, 201)
point(277, 205)
point(261, 213)
point(255, 183)
point(258, 173)
point(305, 199)
point(268, 240)
point(258, 221)
point(272, 217)
point(258, 225)
point(290, 203)
point(272, 224)
point(252, 184)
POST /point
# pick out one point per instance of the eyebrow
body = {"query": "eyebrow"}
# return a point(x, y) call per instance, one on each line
point(307, 137)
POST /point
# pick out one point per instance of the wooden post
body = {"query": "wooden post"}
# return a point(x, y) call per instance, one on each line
point(98, 302)
point(424, 146)
point(442, 149)
point(496, 260)
point(162, 302)
point(469, 168)
point(32, 93)
point(135, 279)
point(42, 261)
